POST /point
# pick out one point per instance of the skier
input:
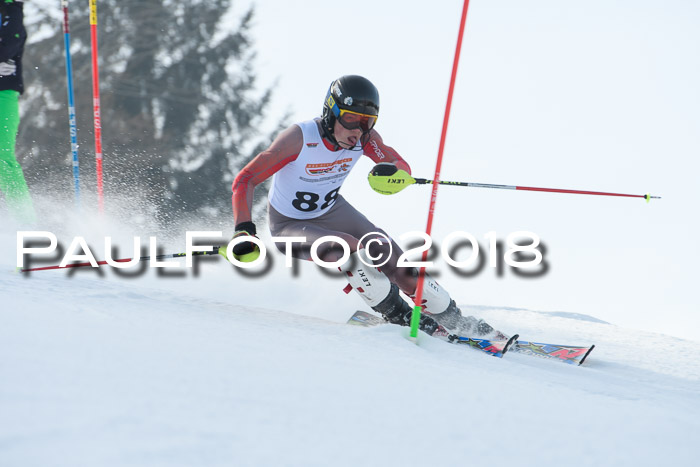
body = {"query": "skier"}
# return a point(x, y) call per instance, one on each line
point(308, 163)
point(12, 38)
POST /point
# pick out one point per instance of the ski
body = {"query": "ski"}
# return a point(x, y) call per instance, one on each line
point(362, 318)
point(571, 354)
point(495, 348)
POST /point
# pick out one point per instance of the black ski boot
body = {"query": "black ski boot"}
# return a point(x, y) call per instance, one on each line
point(396, 310)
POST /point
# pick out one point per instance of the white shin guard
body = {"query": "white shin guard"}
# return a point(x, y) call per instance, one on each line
point(435, 298)
point(372, 285)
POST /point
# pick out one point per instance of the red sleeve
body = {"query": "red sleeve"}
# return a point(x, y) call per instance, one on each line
point(282, 151)
point(376, 150)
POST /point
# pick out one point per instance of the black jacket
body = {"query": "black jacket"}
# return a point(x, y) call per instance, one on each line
point(12, 39)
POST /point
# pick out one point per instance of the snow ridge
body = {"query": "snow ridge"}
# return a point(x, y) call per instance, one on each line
point(101, 371)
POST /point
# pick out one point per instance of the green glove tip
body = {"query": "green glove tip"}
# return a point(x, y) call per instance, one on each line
point(391, 184)
point(249, 257)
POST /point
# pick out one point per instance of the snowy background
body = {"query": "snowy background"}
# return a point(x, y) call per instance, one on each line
point(215, 367)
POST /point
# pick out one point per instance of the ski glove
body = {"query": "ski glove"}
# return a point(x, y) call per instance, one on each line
point(245, 252)
point(7, 68)
point(387, 179)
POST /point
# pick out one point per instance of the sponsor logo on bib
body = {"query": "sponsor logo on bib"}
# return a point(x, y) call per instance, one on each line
point(335, 167)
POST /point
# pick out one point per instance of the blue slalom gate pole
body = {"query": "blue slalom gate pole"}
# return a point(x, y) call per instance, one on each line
point(71, 104)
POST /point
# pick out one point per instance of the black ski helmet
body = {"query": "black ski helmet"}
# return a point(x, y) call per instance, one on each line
point(349, 92)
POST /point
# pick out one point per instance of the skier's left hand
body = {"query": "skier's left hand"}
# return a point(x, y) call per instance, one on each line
point(245, 252)
point(387, 179)
point(7, 68)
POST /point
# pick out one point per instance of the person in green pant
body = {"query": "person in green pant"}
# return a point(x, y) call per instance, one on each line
point(12, 39)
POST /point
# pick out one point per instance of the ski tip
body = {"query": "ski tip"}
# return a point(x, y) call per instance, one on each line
point(586, 355)
point(362, 318)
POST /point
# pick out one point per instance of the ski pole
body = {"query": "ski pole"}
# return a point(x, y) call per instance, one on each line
point(126, 260)
point(423, 181)
point(401, 179)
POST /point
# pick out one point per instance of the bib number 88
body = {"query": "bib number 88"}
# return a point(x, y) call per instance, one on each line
point(307, 201)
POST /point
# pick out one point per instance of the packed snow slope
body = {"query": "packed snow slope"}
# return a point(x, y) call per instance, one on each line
point(100, 371)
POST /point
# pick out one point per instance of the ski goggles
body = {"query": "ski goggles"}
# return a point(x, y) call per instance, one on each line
point(353, 120)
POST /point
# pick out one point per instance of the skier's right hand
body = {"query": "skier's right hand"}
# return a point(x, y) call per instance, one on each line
point(387, 179)
point(7, 68)
point(245, 252)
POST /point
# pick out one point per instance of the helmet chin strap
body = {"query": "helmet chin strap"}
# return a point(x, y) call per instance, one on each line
point(353, 148)
point(364, 138)
point(328, 134)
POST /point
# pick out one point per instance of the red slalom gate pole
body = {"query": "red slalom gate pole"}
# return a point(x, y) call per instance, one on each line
point(415, 317)
point(96, 104)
